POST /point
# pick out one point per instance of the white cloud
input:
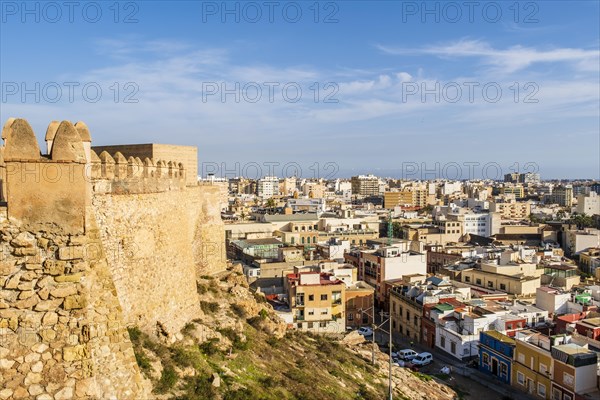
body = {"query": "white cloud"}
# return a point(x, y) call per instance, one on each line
point(509, 60)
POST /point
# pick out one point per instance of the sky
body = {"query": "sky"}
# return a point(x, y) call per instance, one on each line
point(330, 89)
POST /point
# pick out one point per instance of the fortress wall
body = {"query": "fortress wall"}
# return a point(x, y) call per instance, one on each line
point(61, 325)
point(159, 243)
point(89, 246)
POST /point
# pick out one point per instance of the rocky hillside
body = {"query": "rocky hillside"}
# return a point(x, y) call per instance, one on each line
point(239, 349)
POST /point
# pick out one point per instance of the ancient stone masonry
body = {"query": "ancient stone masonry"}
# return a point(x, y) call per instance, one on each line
point(90, 244)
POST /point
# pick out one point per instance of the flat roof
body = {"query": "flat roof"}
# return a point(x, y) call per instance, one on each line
point(500, 337)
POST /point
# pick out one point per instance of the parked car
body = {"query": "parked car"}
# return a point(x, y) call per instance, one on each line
point(406, 354)
point(422, 359)
point(398, 362)
point(365, 331)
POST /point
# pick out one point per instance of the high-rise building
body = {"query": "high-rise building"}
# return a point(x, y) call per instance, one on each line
point(365, 185)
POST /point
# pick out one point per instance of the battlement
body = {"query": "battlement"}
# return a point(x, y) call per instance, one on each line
point(56, 187)
point(45, 189)
point(119, 175)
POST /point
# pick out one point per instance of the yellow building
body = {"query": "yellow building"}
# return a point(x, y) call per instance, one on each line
point(511, 209)
point(506, 278)
point(533, 363)
point(517, 190)
point(317, 301)
point(393, 199)
point(414, 197)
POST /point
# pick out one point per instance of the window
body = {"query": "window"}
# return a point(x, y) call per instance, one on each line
point(502, 286)
point(310, 325)
point(541, 390)
point(521, 378)
point(322, 324)
point(467, 279)
point(350, 317)
point(503, 368)
point(324, 312)
point(486, 359)
point(311, 312)
point(568, 379)
point(478, 281)
point(443, 341)
point(521, 358)
point(311, 297)
point(323, 297)
point(543, 368)
point(453, 346)
point(490, 284)
point(555, 394)
point(567, 397)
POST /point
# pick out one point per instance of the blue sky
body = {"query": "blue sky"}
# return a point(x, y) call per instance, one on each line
point(371, 61)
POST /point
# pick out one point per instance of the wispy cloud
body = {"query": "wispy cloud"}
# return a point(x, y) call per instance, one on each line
point(509, 60)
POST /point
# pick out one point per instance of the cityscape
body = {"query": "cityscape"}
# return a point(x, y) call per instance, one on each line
point(321, 200)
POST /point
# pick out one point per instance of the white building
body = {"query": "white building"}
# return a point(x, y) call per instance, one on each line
point(554, 301)
point(588, 204)
point(268, 187)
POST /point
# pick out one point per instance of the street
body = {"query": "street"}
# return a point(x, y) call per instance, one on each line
point(468, 382)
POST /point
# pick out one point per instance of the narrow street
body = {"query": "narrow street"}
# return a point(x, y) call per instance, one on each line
point(468, 382)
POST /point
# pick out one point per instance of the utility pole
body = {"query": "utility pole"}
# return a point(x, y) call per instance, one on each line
point(390, 348)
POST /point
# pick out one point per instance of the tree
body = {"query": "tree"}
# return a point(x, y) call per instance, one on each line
point(583, 221)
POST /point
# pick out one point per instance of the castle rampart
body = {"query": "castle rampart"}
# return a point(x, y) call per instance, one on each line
point(91, 243)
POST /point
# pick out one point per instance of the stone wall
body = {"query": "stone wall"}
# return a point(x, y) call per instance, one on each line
point(82, 258)
point(157, 244)
point(62, 334)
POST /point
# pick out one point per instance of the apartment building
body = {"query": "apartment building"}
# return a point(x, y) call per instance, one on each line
point(576, 241)
point(389, 263)
point(519, 279)
point(552, 300)
point(317, 302)
point(562, 195)
point(267, 187)
point(517, 191)
point(365, 185)
point(533, 363)
point(588, 204)
point(511, 209)
point(574, 372)
point(359, 304)
point(496, 355)
point(589, 260)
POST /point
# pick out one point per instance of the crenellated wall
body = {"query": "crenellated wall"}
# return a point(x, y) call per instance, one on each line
point(91, 244)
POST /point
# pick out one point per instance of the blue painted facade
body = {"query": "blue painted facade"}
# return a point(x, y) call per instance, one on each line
point(495, 354)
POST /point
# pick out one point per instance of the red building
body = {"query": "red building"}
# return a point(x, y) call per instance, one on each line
point(566, 320)
point(589, 327)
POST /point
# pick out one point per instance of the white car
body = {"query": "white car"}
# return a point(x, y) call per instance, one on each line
point(422, 359)
point(406, 354)
point(365, 331)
